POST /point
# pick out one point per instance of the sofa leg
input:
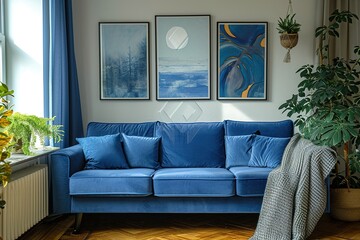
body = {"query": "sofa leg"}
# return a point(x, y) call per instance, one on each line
point(78, 219)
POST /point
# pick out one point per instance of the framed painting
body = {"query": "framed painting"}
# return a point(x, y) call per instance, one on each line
point(182, 57)
point(242, 60)
point(124, 60)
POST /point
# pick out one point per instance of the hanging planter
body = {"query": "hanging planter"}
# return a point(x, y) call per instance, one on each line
point(288, 28)
point(289, 40)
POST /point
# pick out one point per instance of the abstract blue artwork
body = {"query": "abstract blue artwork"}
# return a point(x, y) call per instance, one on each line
point(183, 57)
point(124, 60)
point(242, 54)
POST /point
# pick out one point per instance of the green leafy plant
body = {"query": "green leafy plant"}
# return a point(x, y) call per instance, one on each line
point(5, 113)
point(288, 25)
point(26, 130)
point(327, 105)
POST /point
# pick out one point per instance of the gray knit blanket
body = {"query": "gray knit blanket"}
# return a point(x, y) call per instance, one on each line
point(295, 194)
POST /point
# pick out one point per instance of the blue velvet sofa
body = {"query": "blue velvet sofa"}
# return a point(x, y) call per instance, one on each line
point(201, 167)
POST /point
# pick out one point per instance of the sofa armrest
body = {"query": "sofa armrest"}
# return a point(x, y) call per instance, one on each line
point(64, 163)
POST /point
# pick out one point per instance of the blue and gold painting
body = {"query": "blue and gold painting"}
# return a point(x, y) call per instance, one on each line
point(242, 60)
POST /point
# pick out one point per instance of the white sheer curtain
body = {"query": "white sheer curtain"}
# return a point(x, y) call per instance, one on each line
point(349, 33)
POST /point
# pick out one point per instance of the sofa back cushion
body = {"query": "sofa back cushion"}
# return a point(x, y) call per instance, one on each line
point(192, 144)
point(271, 129)
point(145, 129)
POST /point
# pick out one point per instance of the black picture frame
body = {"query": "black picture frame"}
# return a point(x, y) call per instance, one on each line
point(124, 60)
point(183, 57)
point(242, 60)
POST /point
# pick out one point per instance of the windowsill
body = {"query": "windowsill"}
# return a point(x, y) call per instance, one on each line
point(18, 159)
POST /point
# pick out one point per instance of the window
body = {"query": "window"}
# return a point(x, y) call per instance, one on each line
point(24, 54)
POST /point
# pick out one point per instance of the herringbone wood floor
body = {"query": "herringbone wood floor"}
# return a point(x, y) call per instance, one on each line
point(173, 227)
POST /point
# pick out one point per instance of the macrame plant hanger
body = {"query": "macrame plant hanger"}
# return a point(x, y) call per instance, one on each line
point(288, 41)
point(290, 9)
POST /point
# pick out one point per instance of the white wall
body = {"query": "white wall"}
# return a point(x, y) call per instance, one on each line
point(25, 54)
point(281, 79)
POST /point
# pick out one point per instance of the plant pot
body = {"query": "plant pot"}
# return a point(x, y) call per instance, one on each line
point(345, 204)
point(289, 40)
point(18, 146)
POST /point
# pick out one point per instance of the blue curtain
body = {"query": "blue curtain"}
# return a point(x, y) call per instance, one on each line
point(61, 89)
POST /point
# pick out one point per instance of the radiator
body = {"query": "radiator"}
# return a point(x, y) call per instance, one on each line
point(26, 197)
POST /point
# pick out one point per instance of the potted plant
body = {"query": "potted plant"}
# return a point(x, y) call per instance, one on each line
point(327, 111)
point(27, 130)
point(288, 28)
point(5, 113)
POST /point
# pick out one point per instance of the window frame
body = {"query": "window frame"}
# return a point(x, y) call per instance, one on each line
point(2, 42)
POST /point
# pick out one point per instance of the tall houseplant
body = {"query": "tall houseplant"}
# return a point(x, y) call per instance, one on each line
point(5, 113)
point(26, 130)
point(327, 105)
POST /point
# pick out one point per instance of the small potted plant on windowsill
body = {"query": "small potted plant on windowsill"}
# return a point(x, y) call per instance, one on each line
point(327, 111)
point(27, 130)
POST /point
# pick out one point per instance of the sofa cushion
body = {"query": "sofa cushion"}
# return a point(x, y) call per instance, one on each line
point(194, 182)
point(145, 129)
point(141, 152)
point(126, 182)
point(192, 144)
point(272, 129)
point(238, 150)
point(250, 182)
point(267, 151)
point(103, 152)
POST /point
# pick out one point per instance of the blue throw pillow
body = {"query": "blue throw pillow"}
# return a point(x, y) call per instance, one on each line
point(142, 152)
point(238, 150)
point(267, 151)
point(103, 152)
